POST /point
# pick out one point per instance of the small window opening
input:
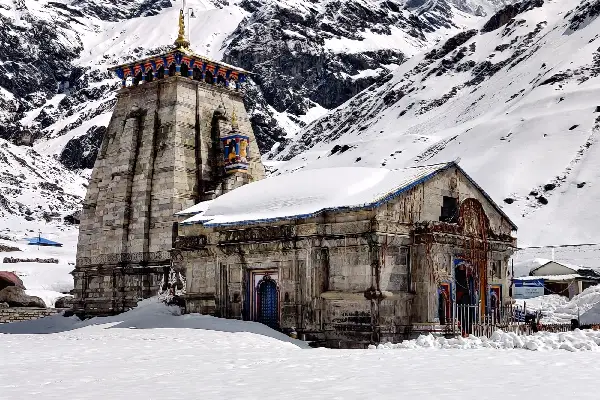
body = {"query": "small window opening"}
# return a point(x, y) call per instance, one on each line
point(449, 210)
point(498, 268)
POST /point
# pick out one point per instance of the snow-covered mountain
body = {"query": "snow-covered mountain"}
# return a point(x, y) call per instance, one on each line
point(518, 100)
point(307, 56)
point(56, 92)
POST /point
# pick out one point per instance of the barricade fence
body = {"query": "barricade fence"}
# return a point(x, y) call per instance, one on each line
point(471, 319)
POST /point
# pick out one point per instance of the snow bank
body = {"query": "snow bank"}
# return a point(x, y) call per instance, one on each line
point(547, 305)
point(586, 305)
point(578, 340)
point(558, 309)
point(148, 315)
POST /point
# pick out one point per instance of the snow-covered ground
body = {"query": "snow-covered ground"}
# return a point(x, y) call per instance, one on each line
point(150, 353)
point(578, 340)
point(558, 309)
point(48, 281)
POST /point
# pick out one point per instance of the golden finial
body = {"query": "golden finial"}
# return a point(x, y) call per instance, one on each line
point(234, 123)
point(181, 41)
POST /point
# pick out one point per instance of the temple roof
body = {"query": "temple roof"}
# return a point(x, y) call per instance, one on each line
point(307, 193)
point(185, 52)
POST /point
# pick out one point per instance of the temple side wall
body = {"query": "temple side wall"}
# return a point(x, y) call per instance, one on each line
point(423, 203)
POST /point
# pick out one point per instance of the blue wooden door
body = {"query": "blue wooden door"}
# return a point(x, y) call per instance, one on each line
point(268, 302)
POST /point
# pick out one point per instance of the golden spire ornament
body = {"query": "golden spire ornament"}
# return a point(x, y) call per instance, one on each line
point(234, 123)
point(181, 41)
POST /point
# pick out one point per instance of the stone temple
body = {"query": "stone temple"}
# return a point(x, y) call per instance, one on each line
point(179, 135)
point(344, 257)
point(349, 256)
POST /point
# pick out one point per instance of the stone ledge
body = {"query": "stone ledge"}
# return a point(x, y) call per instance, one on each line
point(17, 314)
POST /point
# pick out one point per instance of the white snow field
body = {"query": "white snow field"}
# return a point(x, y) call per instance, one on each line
point(152, 353)
point(48, 281)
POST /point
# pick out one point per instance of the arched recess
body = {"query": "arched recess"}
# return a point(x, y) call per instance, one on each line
point(233, 83)
point(268, 302)
point(138, 78)
point(197, 74)
point(183, 69)
point(172, 69)
point(160, 72)
point(149, 75)
point(209, 77)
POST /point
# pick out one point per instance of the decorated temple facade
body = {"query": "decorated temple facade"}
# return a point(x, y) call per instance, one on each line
point(179, 135)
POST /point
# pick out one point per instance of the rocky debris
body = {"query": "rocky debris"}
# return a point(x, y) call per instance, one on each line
point(337, 149)
point(16, 297)
point(584, 12)
point(505, 15)
point(64, 302)
point(11, 260)
point(451, 44)
point(6, 249)
point(4, 305)
point(73, 218)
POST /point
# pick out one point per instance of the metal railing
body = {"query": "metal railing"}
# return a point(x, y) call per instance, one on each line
point(469, 319)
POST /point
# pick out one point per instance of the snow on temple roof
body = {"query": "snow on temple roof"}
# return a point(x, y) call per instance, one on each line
point(199, 208)
point(306, 193)
point(559, 278)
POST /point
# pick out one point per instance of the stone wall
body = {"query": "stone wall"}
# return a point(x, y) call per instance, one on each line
point(424, 202)
point(160, 154)
point(339, 282)
point(19, 314)
point(347, 278)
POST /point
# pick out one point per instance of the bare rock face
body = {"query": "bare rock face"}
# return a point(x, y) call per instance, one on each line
point(505, 15)
point(81, 152)
point(6, 249)
point(64, 302)
point(16, 297)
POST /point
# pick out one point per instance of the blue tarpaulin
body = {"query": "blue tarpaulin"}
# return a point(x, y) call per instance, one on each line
point(40, 241)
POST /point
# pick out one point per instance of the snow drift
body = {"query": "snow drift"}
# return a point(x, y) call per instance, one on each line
point(149, 314)
point(578, 340)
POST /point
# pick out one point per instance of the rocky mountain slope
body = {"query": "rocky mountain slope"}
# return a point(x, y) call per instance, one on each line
point(517, 100)
point(56, 93)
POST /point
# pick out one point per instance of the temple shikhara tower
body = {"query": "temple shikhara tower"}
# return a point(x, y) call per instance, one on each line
point(179, 135)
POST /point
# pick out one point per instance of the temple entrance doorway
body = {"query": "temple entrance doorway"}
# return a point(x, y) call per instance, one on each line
point(263, 297)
